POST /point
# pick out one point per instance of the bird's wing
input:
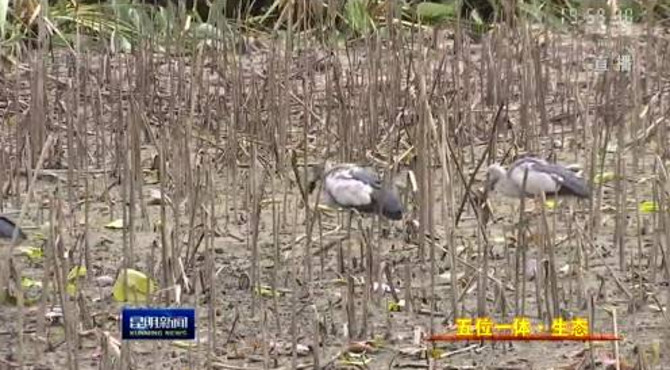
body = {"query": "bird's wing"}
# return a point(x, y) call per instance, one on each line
point(7, 228)
point(568, 179)
point(540, 177)
point(367, 176)
point(546, 177)
point(346, 188)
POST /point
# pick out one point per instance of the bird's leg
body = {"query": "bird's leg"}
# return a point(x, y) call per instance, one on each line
point(361, 232)
point(530, 211)
point(348, 257)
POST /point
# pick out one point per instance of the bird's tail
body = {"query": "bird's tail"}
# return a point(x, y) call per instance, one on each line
point(576, 186)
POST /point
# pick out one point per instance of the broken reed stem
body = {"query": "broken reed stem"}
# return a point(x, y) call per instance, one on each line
point(616, 343)
point(123, 174)
point(447, 203)
point(163, 149)
point(46, 148)
point(307, 88)
point(621, 199)
point(427, 132)
point(259, 193)
point(61, 271)
point(520, 264)
point(367, 263)
point(351, 308)
point(548, 243)
point(316, 351)
point(274, 273)
point(212, 291)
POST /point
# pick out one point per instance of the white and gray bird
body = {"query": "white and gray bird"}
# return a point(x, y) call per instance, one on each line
point(7, 228)
point(351, 186)
point(552, 179)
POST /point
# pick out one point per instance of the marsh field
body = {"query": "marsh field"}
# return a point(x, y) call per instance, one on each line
point(186, 161)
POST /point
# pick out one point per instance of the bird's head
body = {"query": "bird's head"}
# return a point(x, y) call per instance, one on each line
point(494, 173)
point(314, 175)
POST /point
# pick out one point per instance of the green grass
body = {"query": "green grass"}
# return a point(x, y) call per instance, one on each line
point(121, 24)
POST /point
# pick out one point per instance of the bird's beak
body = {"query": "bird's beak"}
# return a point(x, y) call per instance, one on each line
point(313, 177)
point(311, 185)
point(489, 184)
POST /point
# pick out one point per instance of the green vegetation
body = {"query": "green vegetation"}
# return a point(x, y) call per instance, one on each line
point(121, 24)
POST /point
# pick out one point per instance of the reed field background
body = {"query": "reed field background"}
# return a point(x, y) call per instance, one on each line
point(175, 139)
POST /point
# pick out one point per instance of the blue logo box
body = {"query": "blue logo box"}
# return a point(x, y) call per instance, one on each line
point(157, 323)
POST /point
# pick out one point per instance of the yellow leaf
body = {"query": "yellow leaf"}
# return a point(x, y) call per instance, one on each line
point(139, 286)
point(648, 206)
point(436, 353)
point(116, 224)
point(339, 281)
point(655, 349)
point(28, 283)
point(33, 253)
point(76, 272)
point(32, 291)
point(184, 344)
point(550, 204)
point(396, 307)
point(264, 291)
point(604, 177)
point(357, 363)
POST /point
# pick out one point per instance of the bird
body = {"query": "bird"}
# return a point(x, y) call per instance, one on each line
point(353, 187)
point(7, 228)
point(554, 180)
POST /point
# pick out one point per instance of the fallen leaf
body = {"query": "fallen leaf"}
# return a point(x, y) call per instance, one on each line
point(34, 254)
point(32, 290)
point(648, 206)
point(604, 177)
point(75, 273)
point(184, 344)
point(436, 353)
point(302, 349)
point(447, 275)
point(150, 176)
point(396, 307)
point(355, 359)
point(326, 209)
point(28, 283)
point(139, 286)
point(564, 270)
point(550, 204)
point(656, 308)
point(155, 198)
point(115, 225)
point(265, 291)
